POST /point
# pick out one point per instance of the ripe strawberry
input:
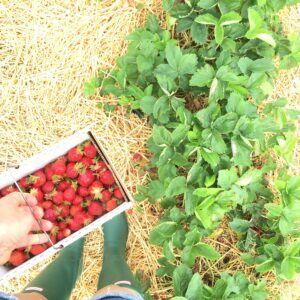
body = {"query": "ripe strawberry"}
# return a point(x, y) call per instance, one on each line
point(60, 236)
point(50, 215)
point(62, 225)
point(48, 187)
point(66, 232)
point(136, 157)
point(69, 194)
point(59, 167)
point(49, 173)
point(111, 204)
point(75, 209)
point(73, 169)
point(117, 193)
point(17, 258)
point(64, 210)
point(38, 178)
point(63, 185)
point(47, 204)
point(38, 194)
point(58, 197)
point(88, 219)
point(7, 190)
point(24, 182)
point(107, 178)
point(85, 179)
point(73, 225)
point(75, 154)
point(95, 208)
point(79, 217)
point(106, 195)
point(37, 249)
point(53, 238)
point(82, 191)
point(95, 189)
point(86, 161)
point(77, 200)
point(99, 166)
point(90, 150)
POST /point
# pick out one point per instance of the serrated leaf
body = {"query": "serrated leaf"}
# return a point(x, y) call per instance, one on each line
point(181, 278)
point(176, 187)
point(211, 157)
point(230, 18)
point(161, 136)
point(239, 225)
point(194, 290)
point(252, 175)
point(219, 33)
point(203, 76)
point(147, 104)
point(265, 266)
point(206, 19)
point(162, 231)
point(199, 33)
point(226, 178)
point(288, 268)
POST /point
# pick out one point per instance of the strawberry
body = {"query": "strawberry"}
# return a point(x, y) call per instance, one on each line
point(59, 167)
point(66, 232)
point(58, 197)
point(7, 190)
point(90, 150)
point(73, 225)
point(107, 178)
point(106, 195)
point(79, 217)
point(48, 187)
point(85, 179)
point(111, 204)
point(37, 193)
point(73, 169)
point(77, 200)
point(95, 189)
point(53, 238)
point(64, 210)
point(49, 173)
point(75, 154)
point(47, 204)
point(136, 157)
point(50, 215)
point(69, 194)
point(24, 182)
point(117, 193)
point(62, 225)
point(38, 178)
point(75, 209)
point(60, 235)
point(86, 161)
point(37, 249)
point(63, 185)
point(82, 191)
point(88, 218)
point(100, 166)
point(17, 258)
point(95, 208)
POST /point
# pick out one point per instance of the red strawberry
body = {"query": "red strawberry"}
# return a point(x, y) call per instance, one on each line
point(73, 169)
point(79, 217)
point(88, 218)
point(75, 209)
point(95, 208)
point(85, 179)
point(9, 189)
point(38, 178)
point(106, 195)
point(58, 197)
point(63, 185)
point(95, 189)
point(53, 238)
point(62, 225)
point(17, 258)
point(73, 225)
point(111, 204)
point(50, 215)
point(77, 200)
point(69, 194)
point(37, 249)
point(136, 157)
point(86, 161)
point(117, 193)
point(66, 232)
point(48, 187)
point(60, 235)
point(38, 194)
point(47, 204)
point(49, 173)
point(82, 191)
point(24, 182)
point(107, 178)
point(90, 150)
point(100, 166)
point(75, 154)
point(64, 210)
point(59, 167)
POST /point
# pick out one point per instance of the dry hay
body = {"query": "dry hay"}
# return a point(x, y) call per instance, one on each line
point(48, 49)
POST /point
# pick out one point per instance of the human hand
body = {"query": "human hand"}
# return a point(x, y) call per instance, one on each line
point(17, 223)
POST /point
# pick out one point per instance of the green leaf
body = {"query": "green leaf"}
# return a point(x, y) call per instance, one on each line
point(203, 76)
point(181, 278)
point(161, 109)
point(255, 19)
point(239, 225)
point(226, 123)
point(230, 18)
point(248, 258)
point(147, 104)
point(226, 178)
point(207, 251)
point(219, 33)
point(265, 266)
point(288, 268)
point(206, 19)
point(194, 290)
point(211, 157)
point(91, 86)
point(205, 217)
point(251, 176)
point(187, 64)
point(293, 249)
point(176, 187)
point(173, 54)
point(207, 4)
point(206, 192)
point(144, 64)
point(167, 4)
point(199, 33)
point(162, 232)
point(179, 134)
point(161, 136)
point(156, 190)
point(274, 210)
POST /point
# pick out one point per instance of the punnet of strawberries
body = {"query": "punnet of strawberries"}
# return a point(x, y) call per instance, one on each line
point(73, 191)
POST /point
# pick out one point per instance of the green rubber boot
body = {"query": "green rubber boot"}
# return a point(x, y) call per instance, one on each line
point(57, 281)
point(115, 268)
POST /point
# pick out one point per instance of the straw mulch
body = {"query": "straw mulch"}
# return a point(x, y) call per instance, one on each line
point(48, 49)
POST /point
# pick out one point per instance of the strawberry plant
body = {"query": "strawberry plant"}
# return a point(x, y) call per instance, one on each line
point(200, 83)
point(73, 191)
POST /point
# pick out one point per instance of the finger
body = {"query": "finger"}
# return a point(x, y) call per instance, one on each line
point(38, 212)
point(46, 225)
point(18, 199)
point(33, 239)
